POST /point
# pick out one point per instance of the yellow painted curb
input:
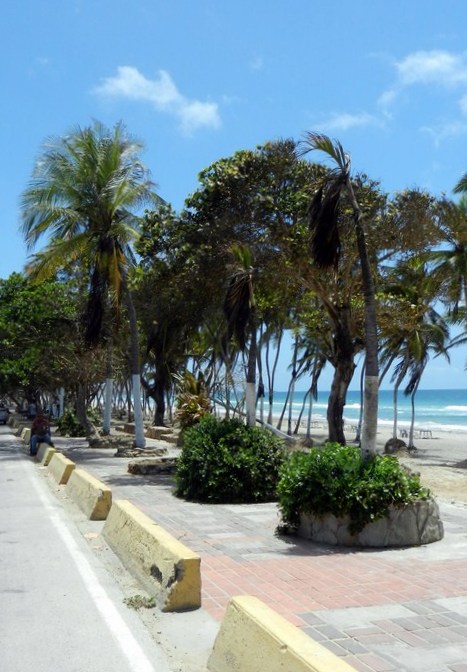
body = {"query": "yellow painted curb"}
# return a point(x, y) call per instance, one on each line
point(45, 453)
point(19, 430)
point(167, 569)
point(253, 638)
point(93, 497)
point(26, 434)
point(61, 467)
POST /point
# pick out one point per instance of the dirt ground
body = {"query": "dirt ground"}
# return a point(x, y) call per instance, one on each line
point(446, 480)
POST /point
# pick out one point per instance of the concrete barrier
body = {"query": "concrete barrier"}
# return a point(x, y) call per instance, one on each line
point(26, 434)
point(254, 638)
point(166, 568)
point(45, 453)
point(19, 430)
point(93, 497)
point(60, 468)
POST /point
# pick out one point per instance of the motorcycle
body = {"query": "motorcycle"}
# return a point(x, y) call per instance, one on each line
point(4, 413)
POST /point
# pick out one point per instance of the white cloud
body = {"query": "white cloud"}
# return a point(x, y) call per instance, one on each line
point(163, 94)
point(195, 114)
point(463, 104)
point(432, 67)
point(257, 63)
point(342, 122)
point(444, 131)
point(426, 68)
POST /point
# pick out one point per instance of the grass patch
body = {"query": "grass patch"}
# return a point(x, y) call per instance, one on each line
point(140, 602)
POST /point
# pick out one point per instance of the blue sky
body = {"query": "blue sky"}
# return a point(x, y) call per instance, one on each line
point(197, 80)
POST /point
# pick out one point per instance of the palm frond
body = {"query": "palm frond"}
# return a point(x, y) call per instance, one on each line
point(323, 223)
point(320, 142)
point(95, 309)
point(461, 185)
point(237, 308)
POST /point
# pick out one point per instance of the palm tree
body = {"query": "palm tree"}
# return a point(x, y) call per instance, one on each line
point(420, 331)
point(240, 313)
point(82, 196)
point(450, 263)
point(432, 336)
point(325, 250)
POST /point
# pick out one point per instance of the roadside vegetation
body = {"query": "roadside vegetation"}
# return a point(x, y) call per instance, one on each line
point(226, 461)
point(337, 480)
point(127, 297)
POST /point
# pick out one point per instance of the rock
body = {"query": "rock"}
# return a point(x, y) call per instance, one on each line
point(415, 524)
point(162, 434)
point(110, 441)
point(132, 451)
point(161, 465)
point(394, 446)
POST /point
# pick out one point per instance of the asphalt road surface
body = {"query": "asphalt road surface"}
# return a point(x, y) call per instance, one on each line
point(59, 607)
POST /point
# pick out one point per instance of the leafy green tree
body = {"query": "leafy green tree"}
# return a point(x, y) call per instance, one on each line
point(85, 189)
point(253, 200)
point(172, 298)
point(39, 338)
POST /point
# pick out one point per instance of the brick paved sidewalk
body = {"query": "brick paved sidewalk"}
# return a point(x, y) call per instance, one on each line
point(401, 610)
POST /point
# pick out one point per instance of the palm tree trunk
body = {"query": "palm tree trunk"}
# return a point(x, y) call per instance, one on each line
point(271, 376)
point(140, 441)
point(81, 414)
point(108, 393)
point(343, 373)
point(370, 409)
point(358, 433)
point(292, 387)
point(412, 419)
point(250, 392)
point(397, 384)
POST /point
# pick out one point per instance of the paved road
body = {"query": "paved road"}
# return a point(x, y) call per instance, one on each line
point(59, 608)
point(393, 610)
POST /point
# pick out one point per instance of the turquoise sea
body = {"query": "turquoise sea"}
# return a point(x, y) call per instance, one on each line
point(444, 410)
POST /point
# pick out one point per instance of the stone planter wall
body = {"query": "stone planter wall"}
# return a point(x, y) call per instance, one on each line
point(416, 524)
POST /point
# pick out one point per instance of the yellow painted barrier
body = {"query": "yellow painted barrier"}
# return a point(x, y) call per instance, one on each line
point(45, 453)
point(166, 568)
point(60, 467)
point(254, 638)
point(26, 434)
point(93, 497)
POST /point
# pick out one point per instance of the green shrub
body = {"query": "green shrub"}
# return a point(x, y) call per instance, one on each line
point(192, 399)
point(227, 462)
point(68, 424)
point(337, 480)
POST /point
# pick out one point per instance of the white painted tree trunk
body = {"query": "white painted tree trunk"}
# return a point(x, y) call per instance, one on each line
point(107, 405)
point(370, 412)
point(250, 403)
point(140, 440)
point(61, 401)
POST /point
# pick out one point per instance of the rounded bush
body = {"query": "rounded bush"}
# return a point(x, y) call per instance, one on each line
point(223, 461)
point(336, 479)
point(69, 425)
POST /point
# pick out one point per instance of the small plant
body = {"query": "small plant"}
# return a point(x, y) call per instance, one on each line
point(223, 461)
point(68, 424)
point(192, 401)
point(337, 480)
point(140, 602)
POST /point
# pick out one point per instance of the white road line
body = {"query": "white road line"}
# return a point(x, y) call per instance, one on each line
point(133, 652)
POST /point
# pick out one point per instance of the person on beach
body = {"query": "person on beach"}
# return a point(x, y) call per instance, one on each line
point(40, 433)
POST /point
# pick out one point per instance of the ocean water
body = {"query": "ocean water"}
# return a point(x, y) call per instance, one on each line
point(444, 410)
